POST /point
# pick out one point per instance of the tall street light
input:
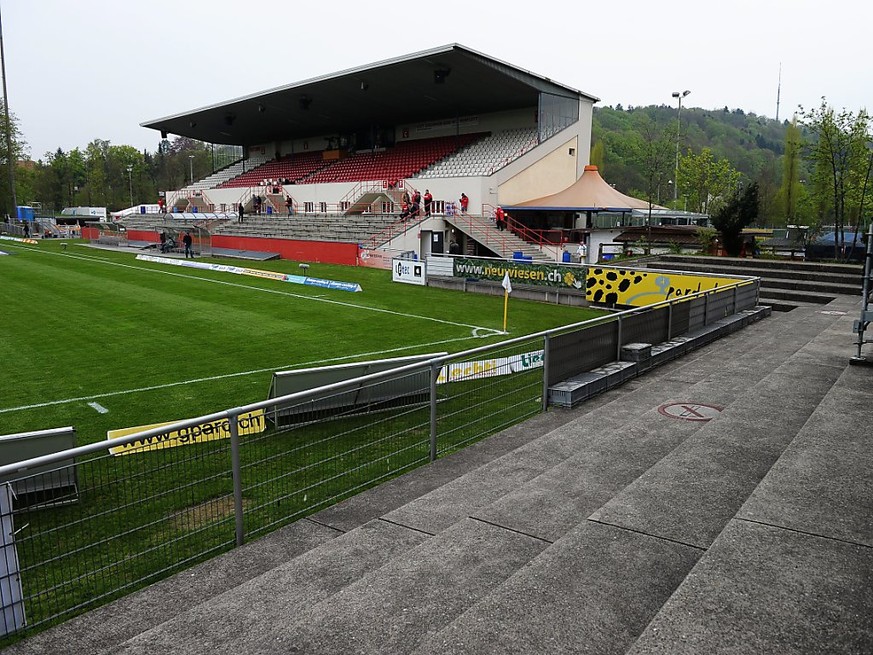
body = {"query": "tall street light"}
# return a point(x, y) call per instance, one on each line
point(10, 155)
point(680, 95)
point(130, 183)
point(191, 166)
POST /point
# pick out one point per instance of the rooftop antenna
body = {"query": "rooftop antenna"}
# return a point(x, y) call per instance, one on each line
point(778, 91)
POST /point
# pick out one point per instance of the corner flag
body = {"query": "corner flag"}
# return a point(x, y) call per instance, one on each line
point(507, 289)
point(506, 284)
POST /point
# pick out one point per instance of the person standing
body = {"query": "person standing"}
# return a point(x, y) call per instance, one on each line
point(428, 199)
point(241, 213)
point(465, 202)
point(289, 205)
point(187, 241)
point(500, 218)
point(26, 230)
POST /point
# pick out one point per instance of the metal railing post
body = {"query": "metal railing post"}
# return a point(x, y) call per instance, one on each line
point(669, 320)
point(434, 374)
point(236, 471)
point(618, 340)
point(735, 299)
point(545, 372)
point(706, 308)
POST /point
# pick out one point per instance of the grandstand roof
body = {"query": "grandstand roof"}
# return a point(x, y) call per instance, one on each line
point(451, 80)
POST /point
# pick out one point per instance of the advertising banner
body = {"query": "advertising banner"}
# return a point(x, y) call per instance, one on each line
point(486, 368)
point(254, 272)
point(637, 288)
point(250, 423)
point(543, 275)
point(408, 271)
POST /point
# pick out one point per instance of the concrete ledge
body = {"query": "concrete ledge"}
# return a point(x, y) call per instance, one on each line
point(579, 388)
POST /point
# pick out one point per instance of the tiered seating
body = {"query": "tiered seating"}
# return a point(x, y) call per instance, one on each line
point(216, 179)
point(485, 156)
point(351, 229)
point(402, 161)
point(294, 167)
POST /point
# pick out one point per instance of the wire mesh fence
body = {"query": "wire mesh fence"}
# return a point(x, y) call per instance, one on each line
point(87, 525)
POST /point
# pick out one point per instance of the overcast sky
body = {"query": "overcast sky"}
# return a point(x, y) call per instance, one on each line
point(88, 69)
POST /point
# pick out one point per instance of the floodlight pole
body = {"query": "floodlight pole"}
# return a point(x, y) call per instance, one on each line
point(191, 167)
point(10, 159)
point(680, 95)
point(130, 183)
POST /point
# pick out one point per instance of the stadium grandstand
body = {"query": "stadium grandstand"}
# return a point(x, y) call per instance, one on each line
point(329, 159)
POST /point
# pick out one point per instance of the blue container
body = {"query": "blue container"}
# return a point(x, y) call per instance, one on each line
point(566, 257)
point(142, 209)
point(24, 212)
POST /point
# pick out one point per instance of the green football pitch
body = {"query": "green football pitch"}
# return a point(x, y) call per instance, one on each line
point(99, 340)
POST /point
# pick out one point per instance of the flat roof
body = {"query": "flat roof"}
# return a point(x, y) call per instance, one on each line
point(450, 80)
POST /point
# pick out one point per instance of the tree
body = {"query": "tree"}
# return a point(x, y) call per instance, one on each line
point(706, 181)
point(19, 151)
point(842, 158)
point(790, 189)
point(654, 158)
point(737, 212)
point(597, 155)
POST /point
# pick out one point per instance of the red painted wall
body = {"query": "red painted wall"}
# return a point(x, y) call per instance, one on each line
point(143, 235)
point(321, 252)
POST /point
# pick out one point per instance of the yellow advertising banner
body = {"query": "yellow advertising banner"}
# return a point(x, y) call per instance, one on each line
point(637, 288)
point(250, 423)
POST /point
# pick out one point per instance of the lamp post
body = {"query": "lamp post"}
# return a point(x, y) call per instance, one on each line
point(130, 183)
point(680, 95)
point(191, 167)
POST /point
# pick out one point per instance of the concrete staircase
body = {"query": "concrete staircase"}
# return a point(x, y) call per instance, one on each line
point(502, 242)
point(610, 528)
point(785, 284)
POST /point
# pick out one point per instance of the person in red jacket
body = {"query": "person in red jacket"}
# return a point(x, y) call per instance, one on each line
point(427, 200)
point(500, 218)
point(465, 202)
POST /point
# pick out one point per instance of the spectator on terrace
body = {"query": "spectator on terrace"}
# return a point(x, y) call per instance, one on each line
point(240, 213)
point(289, 205)
point(416, 198)
point(465, 202)
point(163, 242)
point(405, 211)
point(428, 199)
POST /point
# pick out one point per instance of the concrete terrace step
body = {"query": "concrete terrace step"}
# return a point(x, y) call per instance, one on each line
point(834, 283)
point(794, 538)
point(770, 264)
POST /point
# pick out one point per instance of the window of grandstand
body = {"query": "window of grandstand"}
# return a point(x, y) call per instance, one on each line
point(556, 113)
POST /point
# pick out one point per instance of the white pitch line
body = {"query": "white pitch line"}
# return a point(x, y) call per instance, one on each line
point(273, 291)
point(211, 378)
